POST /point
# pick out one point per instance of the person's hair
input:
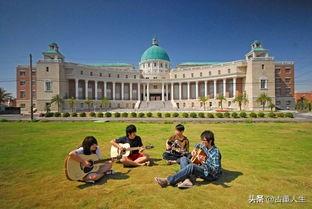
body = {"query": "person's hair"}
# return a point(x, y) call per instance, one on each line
point(180, 127)
point(130, 129)
point(208, 135)
point(87, 143)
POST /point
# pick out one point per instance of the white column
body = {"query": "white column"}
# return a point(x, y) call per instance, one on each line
point(215, 89)
point(105, 94)
point(172, 91)
point(188, 90)
point(167, 91)
point(144, 92)
point(196, 90)
point(76, 88)
point(206, 92)
point(224, 87)
point(234, 87)
point(148, 93)
point(113, 90)
point(180, 91)
point(139, 92)
point(162, 92)
point(96, 89)
point(122, 90)
point(86, 88)
point(130, 87)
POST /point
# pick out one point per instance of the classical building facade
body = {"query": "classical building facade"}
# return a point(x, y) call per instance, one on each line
point(155, 84)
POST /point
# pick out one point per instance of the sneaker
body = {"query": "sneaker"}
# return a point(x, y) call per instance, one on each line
point(110, 172)
point(89, 181)
point(163, 182)
point(185, 184)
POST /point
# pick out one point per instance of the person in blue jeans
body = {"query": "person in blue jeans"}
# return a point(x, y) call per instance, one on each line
point(209, 170)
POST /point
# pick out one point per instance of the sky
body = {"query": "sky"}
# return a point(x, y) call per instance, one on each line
point(108, 31)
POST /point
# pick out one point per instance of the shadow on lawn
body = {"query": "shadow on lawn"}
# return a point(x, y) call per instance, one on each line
point(116, 176)
point(226, 177)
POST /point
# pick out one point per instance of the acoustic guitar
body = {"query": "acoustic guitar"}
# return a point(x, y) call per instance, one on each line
point(75, 171)
point(126, 152)
point(199, 157)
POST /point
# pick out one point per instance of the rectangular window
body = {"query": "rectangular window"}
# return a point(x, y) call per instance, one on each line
point(288, 102)
point(183, 75)
point(48, 85)
point(200, 74)
point(22, 94)
point(287, 71)
point(22, 73)
point(262, 67)
point(134, 76)
point(23, 105)
point(91, 73)
point(277, 71)
point(22, 83)
point(219, 72)
point(263, 84)
point(192, 75)
point(229, 70)
point(209, 72)
point(288, 91)
point(175, 76)
point(81, 72)
point(100, 74)
point(287, 80)
point(47, 69)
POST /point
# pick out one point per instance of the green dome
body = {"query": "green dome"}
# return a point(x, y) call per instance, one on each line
point(155, 53)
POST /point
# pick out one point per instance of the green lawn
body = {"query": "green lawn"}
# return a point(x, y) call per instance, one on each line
point(258, 159)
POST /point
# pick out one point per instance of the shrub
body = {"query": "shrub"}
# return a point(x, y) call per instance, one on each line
point(159, 114)
point(289, 115)
point(193, 115)
point(82, 114)
point(235, 115)
point(261, 115)
point(253, 115)
point(57, 114)
point(243, 115)
point(108, 114)
point(3, 120)
point(227, 115)
point(49, 114)
point(74, 114)
point(133, 114)
point(210, 115)
point(92, 114)
point(149, 114)
point(280, 115)
point(201, 115)
point(219, 115)
point(117, 114)
point(167, 115)
point(66, 115)
point(185, 115)
point(100, 115)
point(124, 114)
point(41, 114)
point(141, 115)
point(175, 114)
point(271, 115)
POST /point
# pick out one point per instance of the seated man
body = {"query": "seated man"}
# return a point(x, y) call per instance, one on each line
point(136, 157)
point(209, 170)
point(176, 146)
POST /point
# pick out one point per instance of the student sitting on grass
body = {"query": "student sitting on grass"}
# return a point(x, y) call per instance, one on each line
point(136, 157)
point(177, 146)
point(209, 170)
point(90, 146)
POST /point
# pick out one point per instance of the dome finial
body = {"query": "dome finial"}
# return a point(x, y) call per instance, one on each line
point(154, 41)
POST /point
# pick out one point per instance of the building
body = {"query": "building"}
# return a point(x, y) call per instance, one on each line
point(303, 95)
point(155, 84)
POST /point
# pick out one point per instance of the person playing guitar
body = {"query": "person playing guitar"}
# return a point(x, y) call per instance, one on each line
point(90, 146)
point(136, 157)
point(208, 167)
point(176, 146)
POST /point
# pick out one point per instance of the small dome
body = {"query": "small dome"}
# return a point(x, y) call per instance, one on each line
point(155, 52)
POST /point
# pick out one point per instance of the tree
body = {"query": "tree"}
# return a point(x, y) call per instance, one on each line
point(271, 106)
point(88, 102)
point(241, 99)
point(4, 95)
point(104, 102)
point(263, 99)
point(204, 99)
point(72, 102)
point(221, 98)
point(58, 100)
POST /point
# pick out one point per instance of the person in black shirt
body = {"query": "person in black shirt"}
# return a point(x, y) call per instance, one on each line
point(136, 157)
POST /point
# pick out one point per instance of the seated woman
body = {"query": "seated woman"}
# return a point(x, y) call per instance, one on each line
point(209, 170)
point(90, 146)
point(177, 146)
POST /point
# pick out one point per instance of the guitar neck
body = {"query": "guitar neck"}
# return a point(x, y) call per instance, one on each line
point(134, 148)
point(102, 160)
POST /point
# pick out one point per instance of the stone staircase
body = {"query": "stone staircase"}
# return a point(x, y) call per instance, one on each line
point(157, 106)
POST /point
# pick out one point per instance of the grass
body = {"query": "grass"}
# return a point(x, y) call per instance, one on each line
point(262, 158)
